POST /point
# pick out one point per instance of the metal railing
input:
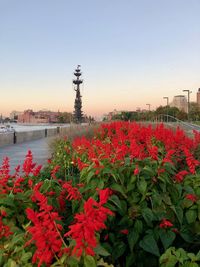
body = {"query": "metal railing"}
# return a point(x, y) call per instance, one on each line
point(171, 119)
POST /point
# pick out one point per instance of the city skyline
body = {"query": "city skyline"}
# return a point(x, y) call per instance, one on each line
point(131, 53)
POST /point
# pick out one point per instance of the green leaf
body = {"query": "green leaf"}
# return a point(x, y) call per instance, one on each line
point(133, 179)
point(179, 214)
point(89, 261)
point(191, 264)
point(72, 262)
point(167, 238)
point(25, 257)
point(17, 239)
point(100, 184)
point(101, 251)
point(89, 176)
point(191, 216)
point(148, 170)
point(147, 215)
point(103, 264)
point(149, 244)
point(133, 237)
point(138, 226)
point(11, 263)
point(130, 260)
point(166, 199)
point(118, 188)
point(8, 201)
point(120, 205)
point(168, 259)
point(118, 249)
point(142, 186)
point(1, 258)
point(192, 256)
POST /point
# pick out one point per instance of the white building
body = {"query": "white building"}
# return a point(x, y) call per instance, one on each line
point(180, 102)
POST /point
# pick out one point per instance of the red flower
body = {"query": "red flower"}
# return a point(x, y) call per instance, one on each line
point(49, 161)
point(73, 193)
point(36, 170)
point(136, 171)
point(165, 223)
point(180, 176)
point(191, 197)
point(45, 231)
point(4, 229)
point(28, 164)
point(191, 161)
point(54, 171)
point(124, 231)
point(87, 224)
point(104, 194)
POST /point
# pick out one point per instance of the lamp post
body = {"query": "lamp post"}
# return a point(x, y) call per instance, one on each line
point(167, 98)
point(189, 92)
point(149, 105)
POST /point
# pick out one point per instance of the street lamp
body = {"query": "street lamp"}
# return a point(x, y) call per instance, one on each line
point(149, 105)
point(189, 92)
point(166, 97)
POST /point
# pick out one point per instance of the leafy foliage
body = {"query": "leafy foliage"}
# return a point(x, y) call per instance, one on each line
point(127, 197)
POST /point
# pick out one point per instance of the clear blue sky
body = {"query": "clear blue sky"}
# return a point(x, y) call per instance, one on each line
point(132, 52)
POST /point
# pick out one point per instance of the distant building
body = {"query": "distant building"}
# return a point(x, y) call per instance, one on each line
point(180, 102)
point(28, 116)
point(14, 114)
point(198, 97)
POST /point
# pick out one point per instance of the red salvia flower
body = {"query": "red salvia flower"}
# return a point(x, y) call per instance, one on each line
point(45, 231)
point(5, 177)
point(180, 176)
point(124, 231)
point(136, 171)
point(191, 197)
point(54, 171)
point(28, 164)
point(165, 223)
point(87, 224)
point(73, 193)
point(4, 229)
point(36, 170)
point(191, 161)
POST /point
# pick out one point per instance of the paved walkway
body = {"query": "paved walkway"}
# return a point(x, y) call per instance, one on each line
point(40, 149)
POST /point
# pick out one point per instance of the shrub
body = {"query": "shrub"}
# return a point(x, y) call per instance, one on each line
point(126, 197)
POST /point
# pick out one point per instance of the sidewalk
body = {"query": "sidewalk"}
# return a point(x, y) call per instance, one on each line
point(16, 153)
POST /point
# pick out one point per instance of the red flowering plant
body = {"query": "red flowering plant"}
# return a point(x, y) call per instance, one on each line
point(39, 217)
point(61, 165)
point(122, 198)
point(148, 170)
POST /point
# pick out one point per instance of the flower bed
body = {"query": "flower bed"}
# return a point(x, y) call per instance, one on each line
point(127, 197)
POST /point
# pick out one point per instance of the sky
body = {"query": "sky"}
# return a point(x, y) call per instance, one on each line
point(131, 52)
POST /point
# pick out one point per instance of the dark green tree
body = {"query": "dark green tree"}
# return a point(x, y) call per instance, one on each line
point(194, 111)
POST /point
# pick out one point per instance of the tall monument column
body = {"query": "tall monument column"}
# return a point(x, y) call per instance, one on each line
point(78, 114)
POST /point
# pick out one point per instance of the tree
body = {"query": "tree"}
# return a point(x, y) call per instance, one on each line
point(64, 117)
point(194, 111)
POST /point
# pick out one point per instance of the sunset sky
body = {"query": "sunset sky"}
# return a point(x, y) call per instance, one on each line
point(131, 52)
